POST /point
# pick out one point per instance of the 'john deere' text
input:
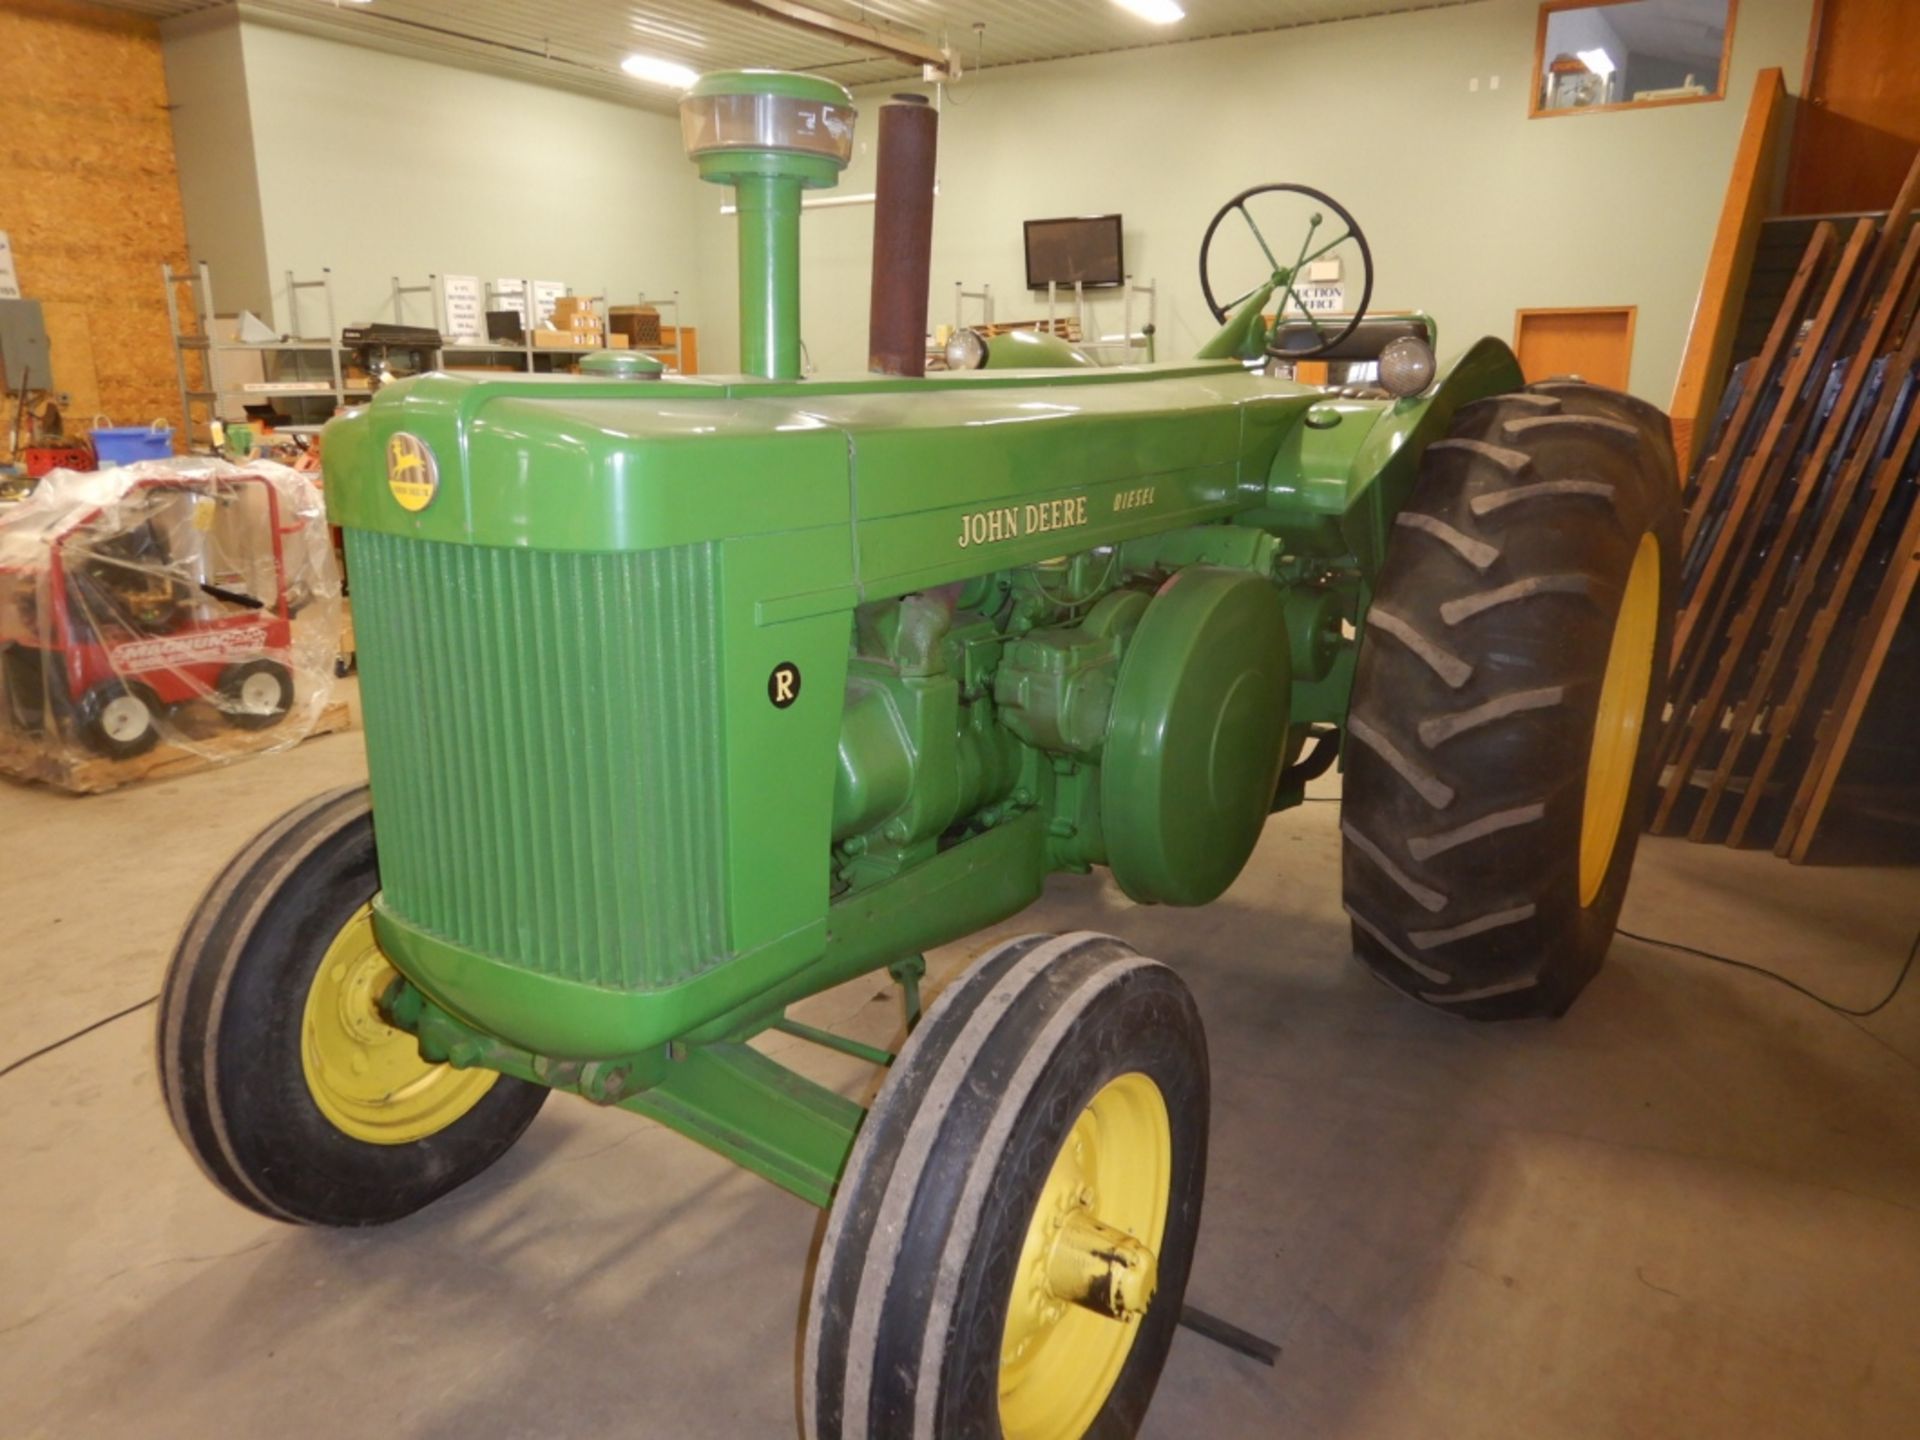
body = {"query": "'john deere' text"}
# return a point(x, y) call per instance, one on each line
point(1009, 522)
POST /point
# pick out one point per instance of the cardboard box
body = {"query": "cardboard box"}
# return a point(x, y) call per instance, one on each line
point(570, 340)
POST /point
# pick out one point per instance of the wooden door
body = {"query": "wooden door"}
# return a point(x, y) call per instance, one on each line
point(1858, 121)
point(1595, 343)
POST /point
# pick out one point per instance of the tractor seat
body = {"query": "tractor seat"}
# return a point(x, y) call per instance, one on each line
point(1369, 337)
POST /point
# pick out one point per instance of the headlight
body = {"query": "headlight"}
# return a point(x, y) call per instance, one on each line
point(1406, 366)
point(967, 350)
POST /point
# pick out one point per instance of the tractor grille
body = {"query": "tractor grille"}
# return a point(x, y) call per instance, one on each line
point(543, 733)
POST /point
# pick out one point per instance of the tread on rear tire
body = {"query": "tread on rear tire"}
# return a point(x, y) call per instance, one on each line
point(1476, 694)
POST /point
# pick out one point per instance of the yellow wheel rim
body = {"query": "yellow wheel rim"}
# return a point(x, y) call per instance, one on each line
point(366, 1076)
point(1087, 1266)
point(1623, 708)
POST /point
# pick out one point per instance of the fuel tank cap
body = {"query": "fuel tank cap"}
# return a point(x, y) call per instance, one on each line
point(622, 365)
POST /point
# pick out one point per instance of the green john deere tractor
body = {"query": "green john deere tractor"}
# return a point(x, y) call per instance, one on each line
point(687, 698)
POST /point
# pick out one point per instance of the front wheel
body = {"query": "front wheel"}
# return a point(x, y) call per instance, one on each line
point(1008, 1250)
point(1505, 701)
point(119, 719)
point(281, 1075)
point(257, 694)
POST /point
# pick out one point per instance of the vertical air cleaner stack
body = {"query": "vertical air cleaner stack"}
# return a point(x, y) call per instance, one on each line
point(770, 135)
point(902, 237)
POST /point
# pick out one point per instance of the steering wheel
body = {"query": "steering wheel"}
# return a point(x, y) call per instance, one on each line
point(1286, 277)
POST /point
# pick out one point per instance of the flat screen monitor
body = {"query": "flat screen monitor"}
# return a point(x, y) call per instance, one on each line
point(1083, 248)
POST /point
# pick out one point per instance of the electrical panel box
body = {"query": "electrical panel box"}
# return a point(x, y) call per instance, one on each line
point(23, 346)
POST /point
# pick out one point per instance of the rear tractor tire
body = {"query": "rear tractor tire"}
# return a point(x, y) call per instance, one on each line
point(1506, 700)
point(1009, 1246)
point(280, 1073)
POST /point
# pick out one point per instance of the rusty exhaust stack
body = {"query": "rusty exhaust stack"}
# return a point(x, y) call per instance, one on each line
point(902, 237)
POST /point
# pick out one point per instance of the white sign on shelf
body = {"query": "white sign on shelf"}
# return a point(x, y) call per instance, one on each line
point(464, 303)
point(510, 295)
point(9, 278)
point(1317, 300)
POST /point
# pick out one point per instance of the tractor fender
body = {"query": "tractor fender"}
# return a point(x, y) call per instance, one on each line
point(1383, 471)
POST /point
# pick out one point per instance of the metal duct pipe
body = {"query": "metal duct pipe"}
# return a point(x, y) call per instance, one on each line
point(902, 237)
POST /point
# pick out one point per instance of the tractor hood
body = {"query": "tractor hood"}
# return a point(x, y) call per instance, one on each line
point(596, 465)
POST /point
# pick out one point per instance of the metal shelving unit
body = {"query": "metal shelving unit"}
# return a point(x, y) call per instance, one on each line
point(961, 295)
point(1129, 339)
point(455, 345)
point(1075, 324)
point(207, 393)
point(191, 317)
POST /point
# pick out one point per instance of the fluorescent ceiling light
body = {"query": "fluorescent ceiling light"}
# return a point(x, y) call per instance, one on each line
point(656, 71)
point(1598, 61)
point(1159, 12)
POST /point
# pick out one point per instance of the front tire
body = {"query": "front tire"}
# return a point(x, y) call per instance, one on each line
point(1032, 1166)
point(282, 1079)
point(1506, 698)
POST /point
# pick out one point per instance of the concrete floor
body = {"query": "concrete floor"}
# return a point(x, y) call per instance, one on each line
point(1690, 1209)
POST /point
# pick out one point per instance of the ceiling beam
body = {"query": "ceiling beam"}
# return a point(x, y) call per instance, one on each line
point(868, 37)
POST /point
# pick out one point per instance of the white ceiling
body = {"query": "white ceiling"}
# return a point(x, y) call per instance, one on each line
point(1683, 30)
point(580, 45)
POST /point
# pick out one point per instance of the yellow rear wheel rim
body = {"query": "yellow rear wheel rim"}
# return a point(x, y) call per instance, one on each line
point(1059, 1354)
point(366, 1076)
point(1622, 713)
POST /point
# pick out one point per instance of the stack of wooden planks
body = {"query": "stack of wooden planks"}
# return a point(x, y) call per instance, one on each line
point(1801, 545)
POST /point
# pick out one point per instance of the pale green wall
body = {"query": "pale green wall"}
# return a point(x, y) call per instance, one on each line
point(1473, 210)
point(376, 164)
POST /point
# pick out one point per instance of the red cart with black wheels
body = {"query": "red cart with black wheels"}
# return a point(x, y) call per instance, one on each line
point(169, 591)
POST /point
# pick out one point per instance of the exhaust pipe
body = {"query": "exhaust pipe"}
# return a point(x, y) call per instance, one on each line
point(902, 237)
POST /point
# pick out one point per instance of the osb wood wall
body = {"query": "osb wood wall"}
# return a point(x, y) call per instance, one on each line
point(90, 196)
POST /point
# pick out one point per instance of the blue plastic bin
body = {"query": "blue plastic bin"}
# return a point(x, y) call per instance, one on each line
point(129, 444)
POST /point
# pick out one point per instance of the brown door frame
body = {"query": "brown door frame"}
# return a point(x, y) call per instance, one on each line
point(1632, 312)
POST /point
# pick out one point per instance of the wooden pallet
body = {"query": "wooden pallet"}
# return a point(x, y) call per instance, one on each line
point(84, 773)
point(1066, 327)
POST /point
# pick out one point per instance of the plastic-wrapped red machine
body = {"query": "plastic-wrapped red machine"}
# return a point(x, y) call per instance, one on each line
point(190, 603)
